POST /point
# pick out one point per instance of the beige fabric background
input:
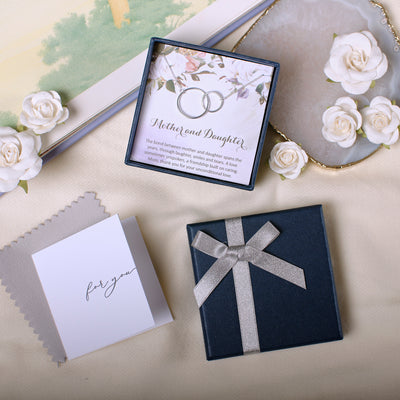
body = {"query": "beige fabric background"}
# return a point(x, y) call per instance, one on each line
point(361, 207)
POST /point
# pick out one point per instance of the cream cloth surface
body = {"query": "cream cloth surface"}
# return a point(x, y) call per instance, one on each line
point(361, 206)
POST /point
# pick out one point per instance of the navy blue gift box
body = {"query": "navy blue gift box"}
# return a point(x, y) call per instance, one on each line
point(286, 313)
point(155, 165)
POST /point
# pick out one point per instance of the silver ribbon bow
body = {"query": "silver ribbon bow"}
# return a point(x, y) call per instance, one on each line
point(236, 256)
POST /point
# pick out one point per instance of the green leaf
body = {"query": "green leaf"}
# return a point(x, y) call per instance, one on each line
point(262, 100)
point(195, 77)
point(160, 84)
point(372, 84)
point(168, 50)
point(21, 127)
point(170, 86)
point(24, 185)
point(259, 88)
point(330, 80)
point(335, 35)
point(282, 177)
point(394, 102)
point(205, 72)
point(221, 65)
point(386, 146)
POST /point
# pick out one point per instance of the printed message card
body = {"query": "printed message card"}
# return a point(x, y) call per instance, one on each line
point(94, 286)
point(202, 113)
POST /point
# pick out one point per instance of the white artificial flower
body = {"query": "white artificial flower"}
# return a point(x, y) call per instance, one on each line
point(356, 61)
point(381, 121)
point(42, 111)
point(241, 72)
point(159, 69)
point(19, 159)
point(341, 122)
point(287, 159)
point(266, 89)
point(168, 66)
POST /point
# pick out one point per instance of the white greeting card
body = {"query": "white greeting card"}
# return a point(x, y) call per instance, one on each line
point(94, 289)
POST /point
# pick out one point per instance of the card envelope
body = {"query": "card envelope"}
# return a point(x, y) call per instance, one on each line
point(101, 286)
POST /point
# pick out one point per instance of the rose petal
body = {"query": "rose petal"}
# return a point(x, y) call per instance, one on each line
point(9, 173)
point(64, 116)
point(33, 170)
point(374, 59)
point(380, 100)
point(7, 132)
point(355, 40)
point(337, 61)
point(346, 143)
point(371, 37)
point(40, 96)
point(8, 185)
point(55, 95)
point(330, 73)
point(382, 67)
point(396, 110)
point(356, 87)
point(329, 114)
point(346, 102)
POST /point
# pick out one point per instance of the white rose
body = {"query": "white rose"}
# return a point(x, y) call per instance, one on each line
point(288, 159)
point(355, 61)
point(19, 160)
point(240, 72)
point(341, 122)
point(381, 121)
point(168, 67)
point(42, 111)
point(158, 68)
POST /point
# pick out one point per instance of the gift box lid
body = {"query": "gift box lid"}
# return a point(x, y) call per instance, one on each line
point(287, 315)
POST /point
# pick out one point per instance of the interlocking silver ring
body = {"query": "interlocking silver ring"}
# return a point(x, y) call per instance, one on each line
point(211, 101)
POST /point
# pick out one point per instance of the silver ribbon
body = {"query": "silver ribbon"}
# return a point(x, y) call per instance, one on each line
point(236, 256)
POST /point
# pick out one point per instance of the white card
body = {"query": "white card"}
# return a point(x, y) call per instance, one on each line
point(93, 288)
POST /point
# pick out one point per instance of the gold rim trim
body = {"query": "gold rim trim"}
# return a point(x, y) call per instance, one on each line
point(265, 12)
point(283, 135)
point(388, 22)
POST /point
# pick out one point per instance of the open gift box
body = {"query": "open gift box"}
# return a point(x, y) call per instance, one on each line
point(202, 113)
point(253, 299)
